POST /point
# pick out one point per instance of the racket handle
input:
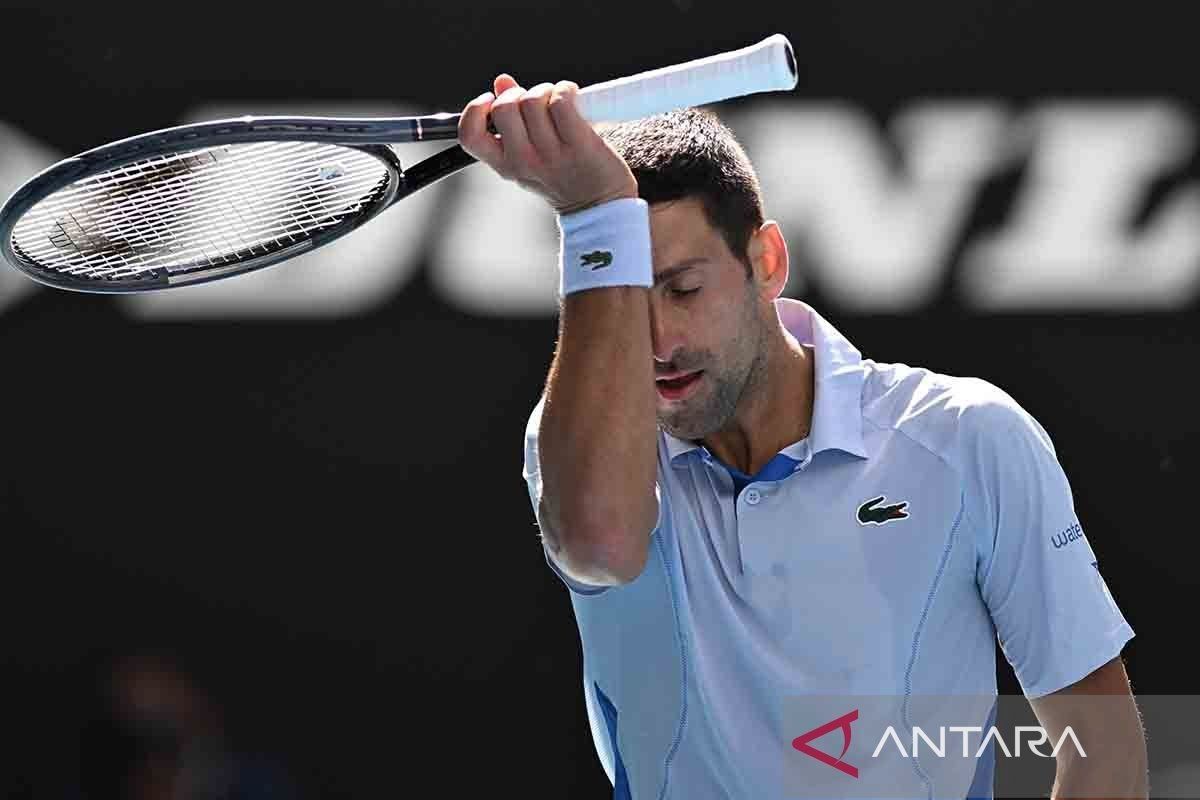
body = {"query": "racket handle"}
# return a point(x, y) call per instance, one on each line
point(767, 66)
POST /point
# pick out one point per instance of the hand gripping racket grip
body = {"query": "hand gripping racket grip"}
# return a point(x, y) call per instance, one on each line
point(768, 66)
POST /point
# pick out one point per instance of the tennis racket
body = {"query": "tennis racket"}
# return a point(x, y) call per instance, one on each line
point(208, 201)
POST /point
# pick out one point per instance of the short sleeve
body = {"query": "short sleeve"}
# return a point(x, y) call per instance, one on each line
point(533, 480)
point(1037, 572)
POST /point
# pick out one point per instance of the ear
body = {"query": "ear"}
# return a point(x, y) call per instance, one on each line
point(769, 258)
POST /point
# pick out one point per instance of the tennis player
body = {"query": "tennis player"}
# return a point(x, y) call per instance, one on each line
point(746, 510)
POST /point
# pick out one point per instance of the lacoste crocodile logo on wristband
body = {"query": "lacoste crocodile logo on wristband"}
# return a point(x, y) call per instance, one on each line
point(597, 259)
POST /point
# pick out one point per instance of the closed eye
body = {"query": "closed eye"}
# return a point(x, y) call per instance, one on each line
point(681, 292)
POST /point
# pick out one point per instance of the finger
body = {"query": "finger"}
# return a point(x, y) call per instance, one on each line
point(473, 134)
point(503, 83)
point(572, 128)
point(500, 85)
point(514, 139)
point(534, 111)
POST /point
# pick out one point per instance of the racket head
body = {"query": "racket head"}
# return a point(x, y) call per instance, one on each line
point(196, 203)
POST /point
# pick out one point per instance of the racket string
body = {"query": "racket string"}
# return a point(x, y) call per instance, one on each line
point(200, 208)
point(164, 207)
point(124, 176)
point(193, 191)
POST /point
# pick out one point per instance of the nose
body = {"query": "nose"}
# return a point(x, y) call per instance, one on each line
point(665, 340)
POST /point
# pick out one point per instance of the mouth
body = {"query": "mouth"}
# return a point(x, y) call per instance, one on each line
point(677, 387)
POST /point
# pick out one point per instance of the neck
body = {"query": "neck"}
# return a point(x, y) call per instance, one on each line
point(775, 409)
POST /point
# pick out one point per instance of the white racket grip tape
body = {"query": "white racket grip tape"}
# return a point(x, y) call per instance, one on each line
point(606, 245)
point(767, 66)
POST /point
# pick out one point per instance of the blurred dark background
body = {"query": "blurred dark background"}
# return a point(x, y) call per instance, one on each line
point(295, 498)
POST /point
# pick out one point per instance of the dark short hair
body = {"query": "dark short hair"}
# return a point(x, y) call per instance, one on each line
point(691, 153)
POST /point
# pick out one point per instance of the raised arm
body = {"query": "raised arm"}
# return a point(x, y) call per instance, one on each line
point(596, 442)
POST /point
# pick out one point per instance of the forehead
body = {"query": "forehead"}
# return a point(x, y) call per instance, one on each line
point(680, 229)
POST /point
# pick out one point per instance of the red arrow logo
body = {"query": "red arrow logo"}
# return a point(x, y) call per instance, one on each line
point(843, 722)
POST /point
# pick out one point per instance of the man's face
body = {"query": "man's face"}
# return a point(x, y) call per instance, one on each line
point(706, 322)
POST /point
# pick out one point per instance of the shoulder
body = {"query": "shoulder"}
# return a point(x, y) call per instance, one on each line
point(954, 416)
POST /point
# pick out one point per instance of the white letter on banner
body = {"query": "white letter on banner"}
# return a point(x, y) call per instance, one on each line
point(939, 749)
point(873, 235)
point(1068, 733)
point(497, 253)
point(993, 733)
point(1033, 745)
point(1071, 243)
point(965, 729)
point(892, 733)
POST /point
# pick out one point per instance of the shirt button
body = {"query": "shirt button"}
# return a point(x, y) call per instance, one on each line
point(753, 496)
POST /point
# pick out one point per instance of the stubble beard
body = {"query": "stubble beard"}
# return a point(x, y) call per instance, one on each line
point(701, 416)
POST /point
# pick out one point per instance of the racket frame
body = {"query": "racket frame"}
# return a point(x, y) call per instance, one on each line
point(370, 135)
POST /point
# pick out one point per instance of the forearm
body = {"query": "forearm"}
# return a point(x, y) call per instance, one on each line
point(1106, 754)
point(597, 443)
point(1115, 767)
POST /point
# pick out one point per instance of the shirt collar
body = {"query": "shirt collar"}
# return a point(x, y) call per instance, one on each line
point(837, 380)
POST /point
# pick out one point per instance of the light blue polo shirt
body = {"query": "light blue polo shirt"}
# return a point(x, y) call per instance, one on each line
point(924, 516)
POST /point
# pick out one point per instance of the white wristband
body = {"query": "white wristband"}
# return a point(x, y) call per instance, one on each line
point(606, 245)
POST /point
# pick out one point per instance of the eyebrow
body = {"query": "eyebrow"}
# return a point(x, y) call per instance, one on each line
point(683, 266)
